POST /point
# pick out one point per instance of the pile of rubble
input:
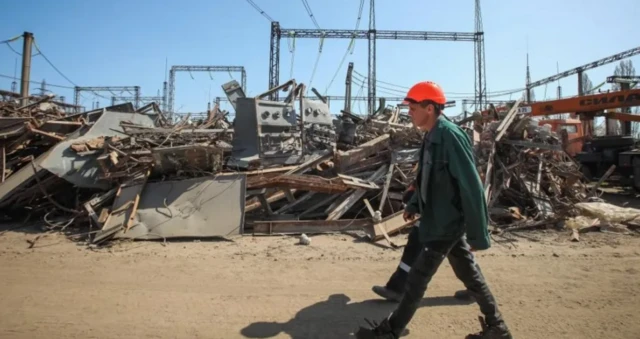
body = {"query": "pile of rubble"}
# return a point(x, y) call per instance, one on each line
point(132, 173)
point(529, 179)
point(281, 167)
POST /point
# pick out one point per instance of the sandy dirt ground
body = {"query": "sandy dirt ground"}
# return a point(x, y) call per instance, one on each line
point(270, 287)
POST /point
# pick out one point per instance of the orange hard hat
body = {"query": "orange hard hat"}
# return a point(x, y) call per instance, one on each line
point(426, 90)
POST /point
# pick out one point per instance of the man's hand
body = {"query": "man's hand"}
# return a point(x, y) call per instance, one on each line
point(408, 216)
point(406, 196)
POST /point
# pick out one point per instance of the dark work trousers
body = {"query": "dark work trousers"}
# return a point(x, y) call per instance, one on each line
point(424, 268)
point(409, 255)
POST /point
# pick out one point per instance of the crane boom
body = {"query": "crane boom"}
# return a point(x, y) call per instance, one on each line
point(586, 103)
point(612, 58)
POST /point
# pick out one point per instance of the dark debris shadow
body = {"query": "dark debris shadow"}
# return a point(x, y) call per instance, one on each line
point(21, 227)
point(335, 318)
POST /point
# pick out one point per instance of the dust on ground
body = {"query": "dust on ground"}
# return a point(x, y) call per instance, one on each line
point(264, 287)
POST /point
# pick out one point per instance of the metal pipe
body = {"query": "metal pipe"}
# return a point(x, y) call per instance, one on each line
point(26, 67)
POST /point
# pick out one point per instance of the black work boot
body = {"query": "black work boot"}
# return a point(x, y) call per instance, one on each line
point(381, 331)
point(387, 293)
point(496, 331)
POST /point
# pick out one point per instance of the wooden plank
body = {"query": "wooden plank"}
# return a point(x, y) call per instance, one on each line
point(121, 211)
point(289, 195)
point(355, 196)
point(385, 190)
point(92, 213)
point(345, 159)
point(489, 172)
point(295, 203)
point(389, 225)
point(302, 182)
point(539, 198)
point(506, 122)
point(370, 208)
point(46, 134)
point(357, 182)
point(265, 204)
point(267, 170)
point(319, 204)
point(309, 226)
point(603, 178)
point(367, 164)
point(316, 159)
point(254, 203)
point(376, 220)
point(104, 213)
point(136, 201)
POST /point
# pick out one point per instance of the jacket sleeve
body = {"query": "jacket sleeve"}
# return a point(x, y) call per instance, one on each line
point(474, 205)
point(412, 205)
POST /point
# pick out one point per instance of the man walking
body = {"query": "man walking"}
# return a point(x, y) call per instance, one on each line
point(453, 217)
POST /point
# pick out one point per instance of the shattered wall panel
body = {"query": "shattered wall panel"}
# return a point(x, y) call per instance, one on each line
point(199, 207)
point(83, 171)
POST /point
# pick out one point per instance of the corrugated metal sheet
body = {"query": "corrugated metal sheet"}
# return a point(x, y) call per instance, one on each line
point(83, 171)
point(199, 207)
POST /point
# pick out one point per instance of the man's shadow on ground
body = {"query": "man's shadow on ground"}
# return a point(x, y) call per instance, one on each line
point(335, 318)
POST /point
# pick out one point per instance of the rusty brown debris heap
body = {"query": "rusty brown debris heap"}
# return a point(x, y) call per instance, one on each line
point(127, 173)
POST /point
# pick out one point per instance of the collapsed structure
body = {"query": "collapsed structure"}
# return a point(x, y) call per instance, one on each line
point(281, 167)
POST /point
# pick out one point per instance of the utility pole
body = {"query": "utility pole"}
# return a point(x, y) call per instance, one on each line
point(480, 65)
point(189, 68)
point(27, 39)
point(347, 88)
point(372, 34)
point(164, 96)
point(528, 83)
point(371, 83)
point(14, 83)
point(43, 87)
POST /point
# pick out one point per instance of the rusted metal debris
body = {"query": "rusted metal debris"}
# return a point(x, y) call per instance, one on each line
point(301, 169)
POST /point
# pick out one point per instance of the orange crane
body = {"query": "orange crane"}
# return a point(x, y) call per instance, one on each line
point(597, 154)
point(587, 105)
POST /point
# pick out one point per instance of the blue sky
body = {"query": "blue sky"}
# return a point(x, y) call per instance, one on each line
point(126, 43)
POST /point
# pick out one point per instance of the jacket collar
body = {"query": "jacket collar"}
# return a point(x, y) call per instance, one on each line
point(435, 135)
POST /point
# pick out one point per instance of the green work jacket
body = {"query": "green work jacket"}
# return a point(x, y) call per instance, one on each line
point(449, 195)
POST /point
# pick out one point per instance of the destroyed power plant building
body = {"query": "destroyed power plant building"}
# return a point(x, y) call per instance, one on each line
point(278, 132)
point(281, 167)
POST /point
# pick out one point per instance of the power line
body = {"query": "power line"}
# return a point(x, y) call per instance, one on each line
point(349, 48)
point(362, 78)
point(315, 66)
point(308, 8)
point(291, 42)
point(405, 88)
point(51, 64)
point(260, 10)
point(58, 71)
point(359, 14)
point(37, 82)
point(397, 91)
point(11, 39)
point(11, 48)
point(8, 41)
